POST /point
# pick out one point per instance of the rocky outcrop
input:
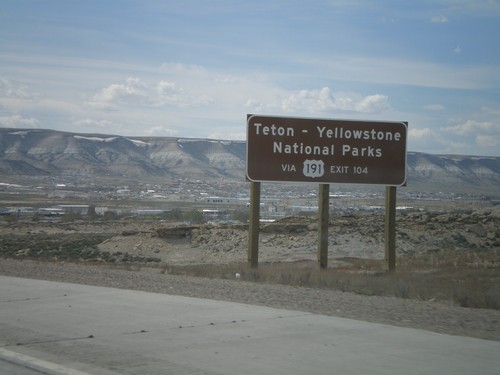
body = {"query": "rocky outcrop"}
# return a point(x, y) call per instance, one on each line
point(355, 235)
point(474, 235)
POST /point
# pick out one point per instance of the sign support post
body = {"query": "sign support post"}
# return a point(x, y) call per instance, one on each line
point(253, 235)
point(323, 221)
point(390, 228)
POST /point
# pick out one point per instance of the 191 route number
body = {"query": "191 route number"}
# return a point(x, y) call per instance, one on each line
point(313, 168)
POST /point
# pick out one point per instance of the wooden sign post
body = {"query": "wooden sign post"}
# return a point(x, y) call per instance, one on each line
point(390, 228)
point(253, 231)
point(324, 151)
point(323, 221)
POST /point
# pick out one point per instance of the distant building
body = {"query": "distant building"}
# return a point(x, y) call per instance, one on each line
point(149, 212)
point(50, 212)
point(217, 200)
point(78, 209)
point(19, 212)
point(296, 209)
point(214, 214)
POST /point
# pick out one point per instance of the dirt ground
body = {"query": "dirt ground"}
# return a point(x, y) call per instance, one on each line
point(290, 239)
point(447, 263)
point(295, 238)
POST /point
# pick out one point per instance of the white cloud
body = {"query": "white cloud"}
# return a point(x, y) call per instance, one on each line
point(431, 140)
point(309, 100)
point(192, 101)
point(449, 146)
point(255, 105)
point(17, 121)
point(183, 69)
point(21, 92)
point(487, 141)
point(373, 103)
point(15, 94)
point(323, 101)
point(237, 136)
point(4, 85)
point(136, 92)
point(421, 133)
point(484, 136)
point(472, 126)
point(132, 91)
point(489, 111)
point(439, 19)
point(160, 131)
point(212, 96)
point(401, 71)
point(89, 124)
point(169, 93)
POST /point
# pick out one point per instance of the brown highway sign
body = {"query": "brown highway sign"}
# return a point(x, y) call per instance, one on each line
point(289, 149)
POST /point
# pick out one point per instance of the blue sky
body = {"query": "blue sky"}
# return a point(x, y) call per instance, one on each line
point(195, 68)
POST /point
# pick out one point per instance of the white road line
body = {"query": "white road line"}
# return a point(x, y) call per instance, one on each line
point(37, 364)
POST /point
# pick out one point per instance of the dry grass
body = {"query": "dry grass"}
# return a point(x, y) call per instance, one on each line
point(468, 279)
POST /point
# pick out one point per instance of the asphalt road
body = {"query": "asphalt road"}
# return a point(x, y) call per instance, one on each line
point(69, 329)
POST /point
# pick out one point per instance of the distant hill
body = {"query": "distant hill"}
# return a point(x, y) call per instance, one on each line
point(34, 152)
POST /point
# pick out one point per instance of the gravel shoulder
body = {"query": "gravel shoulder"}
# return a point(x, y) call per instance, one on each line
point(428, 315)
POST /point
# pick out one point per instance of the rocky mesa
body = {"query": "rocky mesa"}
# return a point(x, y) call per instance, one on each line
point(35, 152)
